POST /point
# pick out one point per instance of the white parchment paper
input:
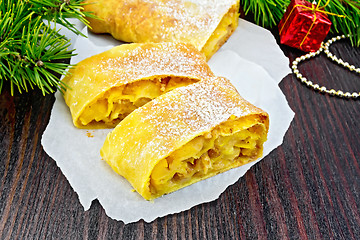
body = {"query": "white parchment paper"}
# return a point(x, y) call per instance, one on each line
point(251, 60)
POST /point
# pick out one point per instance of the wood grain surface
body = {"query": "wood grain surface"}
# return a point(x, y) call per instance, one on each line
point(308, 188)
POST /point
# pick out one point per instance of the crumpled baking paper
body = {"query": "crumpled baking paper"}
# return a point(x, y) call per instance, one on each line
point(253, 62)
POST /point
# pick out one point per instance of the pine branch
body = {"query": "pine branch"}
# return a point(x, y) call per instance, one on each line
point(59, 11)
point(30, 51)
point(268, 13)
point(350, 24)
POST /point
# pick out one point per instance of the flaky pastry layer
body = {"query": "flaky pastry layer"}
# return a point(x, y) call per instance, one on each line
point(105, 88)
point(205, 24)
point(184, 136)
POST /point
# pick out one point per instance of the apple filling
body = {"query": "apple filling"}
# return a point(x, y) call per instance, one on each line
point(118, 102)
point(225, 28)
point(214, 152)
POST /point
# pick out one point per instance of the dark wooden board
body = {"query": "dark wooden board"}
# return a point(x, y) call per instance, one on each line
point(308, 188)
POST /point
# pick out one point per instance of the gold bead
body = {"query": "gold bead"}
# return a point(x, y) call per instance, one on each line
point(347, 95)
point(340, 93)
point(332, 92)
point(323, 89)
point(355, 95)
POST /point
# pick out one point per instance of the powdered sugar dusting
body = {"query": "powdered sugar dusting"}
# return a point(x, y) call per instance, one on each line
point(148, 60)
point(191, 21)
point(192, 18)
point(171, 120)
point(190, 111)
point(130, 63)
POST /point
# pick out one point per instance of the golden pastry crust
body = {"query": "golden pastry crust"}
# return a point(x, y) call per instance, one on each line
point(158, 146)
point(205, 24)
point(106, 87)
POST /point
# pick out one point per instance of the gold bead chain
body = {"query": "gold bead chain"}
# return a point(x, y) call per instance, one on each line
point(325, 48)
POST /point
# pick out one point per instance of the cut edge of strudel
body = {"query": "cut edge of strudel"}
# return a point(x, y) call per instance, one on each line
point(222, 33)
point(185, 136)
point(205, 24)
point(105, 88)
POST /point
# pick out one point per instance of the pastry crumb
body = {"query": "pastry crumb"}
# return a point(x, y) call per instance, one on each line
point(89, 134)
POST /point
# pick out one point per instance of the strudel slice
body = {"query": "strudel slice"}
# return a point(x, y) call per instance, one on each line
point(206, 24)
point(105, 88)
point(184, 136)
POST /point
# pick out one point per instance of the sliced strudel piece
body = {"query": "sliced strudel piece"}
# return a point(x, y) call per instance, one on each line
point(105, 88)
point(206, 24)
point(184, 136)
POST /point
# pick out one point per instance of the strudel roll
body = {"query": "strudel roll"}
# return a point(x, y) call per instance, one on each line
point(105, 88)
point(206, 24)
point(184, 136)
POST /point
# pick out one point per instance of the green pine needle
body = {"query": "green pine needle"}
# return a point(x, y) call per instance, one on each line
point(32, 53)
point(268, 13)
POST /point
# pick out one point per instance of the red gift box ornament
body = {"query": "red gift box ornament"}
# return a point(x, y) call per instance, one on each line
point(305, 25)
